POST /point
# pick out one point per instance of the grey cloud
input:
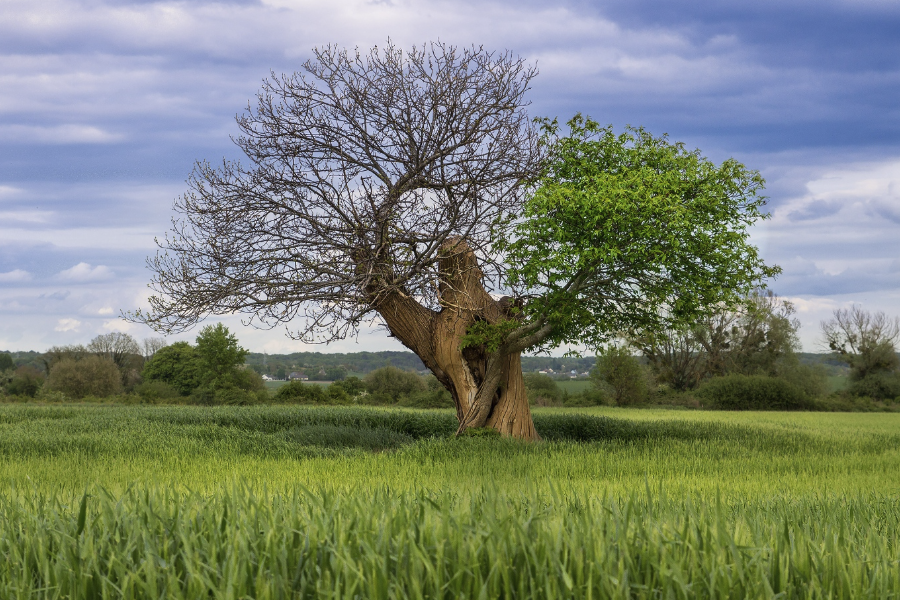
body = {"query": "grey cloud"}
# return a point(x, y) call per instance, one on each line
point(139, 90)
point(886, 209)
point(816, 209)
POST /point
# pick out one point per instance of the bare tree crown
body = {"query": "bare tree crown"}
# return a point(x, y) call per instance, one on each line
point(361, 168)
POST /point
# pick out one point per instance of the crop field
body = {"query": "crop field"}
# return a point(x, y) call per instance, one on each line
point(105, 501)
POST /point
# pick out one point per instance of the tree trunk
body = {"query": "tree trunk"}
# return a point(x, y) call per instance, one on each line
point(487, 387)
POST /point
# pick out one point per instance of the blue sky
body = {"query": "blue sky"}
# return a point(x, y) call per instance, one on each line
point(106, 104)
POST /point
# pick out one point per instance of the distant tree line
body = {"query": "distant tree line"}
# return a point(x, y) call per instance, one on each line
point(744, 357)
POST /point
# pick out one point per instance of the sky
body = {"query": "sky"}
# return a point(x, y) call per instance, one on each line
point(106, 104)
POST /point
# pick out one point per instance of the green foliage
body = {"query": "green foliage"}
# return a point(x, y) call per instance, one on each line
point(878, 385)
point(489, 335)
point(25, 381)
point(865, 341)
point(90, 376)
point(219, 353)
point(434, 396)
point(753, 392)
point(622, 372)
point(6, 361)
point(541, 389)
point(154, 391)
point(297, 392)
point(178, 365)
point(632, 231)
point(389, 385)
point(352, 386)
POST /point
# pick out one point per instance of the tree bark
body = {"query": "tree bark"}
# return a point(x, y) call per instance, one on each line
point(487, 387)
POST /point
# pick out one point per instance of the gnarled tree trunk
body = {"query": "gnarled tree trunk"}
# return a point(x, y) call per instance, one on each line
point(487, 387)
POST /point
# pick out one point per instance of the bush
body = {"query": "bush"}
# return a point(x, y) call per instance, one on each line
point(388, 385)
point(90, 376)
point(811, 379)
point(352, 386)
point(26, 381)
point(880, 385)
point(622, 372)
point(753, 392)
point(541, 389)
point(589, 397)
point(156, 392)
point(297, 392)
point(436, 396)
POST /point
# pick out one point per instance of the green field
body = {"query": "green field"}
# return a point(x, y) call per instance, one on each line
point(298, 502)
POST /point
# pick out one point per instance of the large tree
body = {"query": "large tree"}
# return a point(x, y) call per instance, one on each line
point(413, 189)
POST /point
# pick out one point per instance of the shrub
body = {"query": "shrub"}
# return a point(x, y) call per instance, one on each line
point(753, 392)
point(156, 392)
point(388, 385)
point(297, 392)
point(90, 376)
point(880, 385)
point(353, 386)
point(622, 372)
point(541, 389)
point(589, 397)
point(436, 396)
point(26, 381)
point(248, 379)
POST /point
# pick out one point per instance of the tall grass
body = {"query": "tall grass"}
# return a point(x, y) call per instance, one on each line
point(299, 502)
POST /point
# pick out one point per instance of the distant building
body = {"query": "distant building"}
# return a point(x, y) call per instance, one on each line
point(266, 378)
point(297, 376)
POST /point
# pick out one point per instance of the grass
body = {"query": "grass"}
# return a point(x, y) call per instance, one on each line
point(574, 386)
point(302, 502)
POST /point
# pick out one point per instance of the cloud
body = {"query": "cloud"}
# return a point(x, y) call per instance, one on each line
point(64, 325)
point(815, 209)
point(118, 325)
point(59, 134)
point(14, 276)
point(106, 310)
point(83, 272)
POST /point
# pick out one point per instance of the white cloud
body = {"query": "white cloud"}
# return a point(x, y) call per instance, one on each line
point(67, 325)
point(83, 272)
point(60, 134)
point(25, 216)
point(14, 276)
point(7, 191)
point(118, 325)
point(106, 310)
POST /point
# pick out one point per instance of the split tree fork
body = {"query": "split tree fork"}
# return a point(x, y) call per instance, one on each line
point(403, 187)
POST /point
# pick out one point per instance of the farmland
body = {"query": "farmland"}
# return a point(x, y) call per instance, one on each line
point(283, 502)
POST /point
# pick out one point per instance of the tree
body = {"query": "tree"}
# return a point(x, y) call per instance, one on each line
point(6, 361)
point(219, 352)
point(58, 353)
point(25, 381)
point(622, 372)
point(866, 342)
point(120, 348)
point(674, 355)
point(177, 365)
point(405, 187)
point(151, 346)
point(757, 336)
point(751, 338)
point(91, 376)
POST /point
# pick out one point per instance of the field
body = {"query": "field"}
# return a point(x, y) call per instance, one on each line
point(298, 502)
